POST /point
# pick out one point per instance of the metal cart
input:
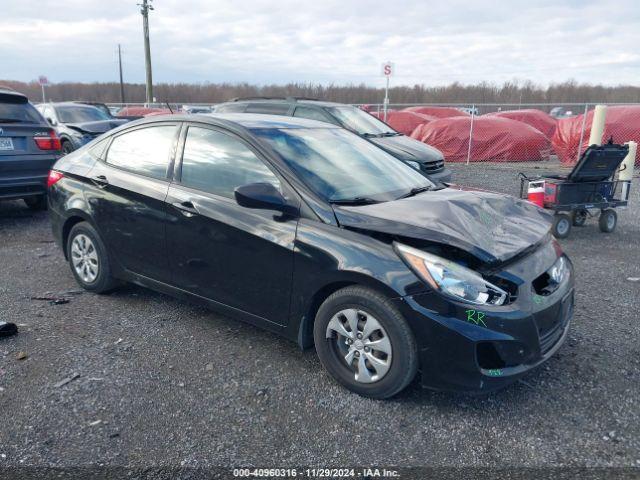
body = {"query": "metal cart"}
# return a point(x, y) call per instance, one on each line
point(588, 188)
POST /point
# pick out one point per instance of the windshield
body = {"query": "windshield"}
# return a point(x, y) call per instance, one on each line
point(340, 166)
point(80, 114)
point(360, 121)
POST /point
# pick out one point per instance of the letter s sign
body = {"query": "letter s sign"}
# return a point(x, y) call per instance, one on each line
point(388, 69)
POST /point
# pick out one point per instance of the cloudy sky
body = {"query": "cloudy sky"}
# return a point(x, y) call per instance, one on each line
point(340, 41)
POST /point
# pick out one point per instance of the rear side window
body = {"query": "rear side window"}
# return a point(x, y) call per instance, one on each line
point(270, 108)
point(97, 151)
point(217, 163)
point(310, 113)
point(13, 111)
point(145, 151)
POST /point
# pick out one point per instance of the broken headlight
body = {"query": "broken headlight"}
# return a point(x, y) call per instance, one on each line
point(559, 270)
point(451, 278)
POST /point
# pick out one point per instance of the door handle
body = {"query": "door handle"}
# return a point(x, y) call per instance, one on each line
point(186, 208)
point(100, 181)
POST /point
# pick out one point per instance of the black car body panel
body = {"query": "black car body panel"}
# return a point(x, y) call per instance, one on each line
point(430, 160)
point(273, 269)
point(23, 165)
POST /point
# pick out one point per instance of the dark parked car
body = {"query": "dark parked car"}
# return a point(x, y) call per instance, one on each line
point(312, 232)
point(77, 123)
point(110, 111)
point(428, 160)
point(28, 149)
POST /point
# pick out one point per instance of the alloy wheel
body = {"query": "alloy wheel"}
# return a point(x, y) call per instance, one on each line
point(85, 258)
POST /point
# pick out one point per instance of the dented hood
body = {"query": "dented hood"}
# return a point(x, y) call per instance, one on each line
point(491, 226)
point(96, 127)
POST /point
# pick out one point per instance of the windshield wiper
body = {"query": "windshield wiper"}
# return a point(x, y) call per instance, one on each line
point(391, 134)
point(414, 191)
point(354, 201)
point(371, 135)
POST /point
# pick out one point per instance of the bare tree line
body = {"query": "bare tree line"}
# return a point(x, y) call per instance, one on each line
point(482, 92)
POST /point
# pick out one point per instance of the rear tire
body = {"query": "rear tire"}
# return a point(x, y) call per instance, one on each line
point(36, 203)
point(88, 259)
point(608, 220)
point(580, 217)
point(379, 358)
point(561, 225)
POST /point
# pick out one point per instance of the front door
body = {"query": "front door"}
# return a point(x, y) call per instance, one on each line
point(236, 256)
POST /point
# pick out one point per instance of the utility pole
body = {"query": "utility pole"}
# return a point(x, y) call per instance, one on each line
point(145, 6)
point(121, 82)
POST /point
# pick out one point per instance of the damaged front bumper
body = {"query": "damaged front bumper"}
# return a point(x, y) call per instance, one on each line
point(474, 349)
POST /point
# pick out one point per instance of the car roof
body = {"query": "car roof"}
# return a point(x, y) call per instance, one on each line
point(260, 120)
point(299, 101)
point(239, 122)
point(6, 92)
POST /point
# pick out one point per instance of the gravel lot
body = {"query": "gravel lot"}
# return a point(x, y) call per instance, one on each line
point(165, 383)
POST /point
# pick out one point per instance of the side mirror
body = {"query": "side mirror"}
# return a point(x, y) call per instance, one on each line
point(51, 121)
point(263, 196)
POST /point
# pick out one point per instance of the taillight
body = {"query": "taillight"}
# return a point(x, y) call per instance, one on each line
point(52, 142)
point(53, 178)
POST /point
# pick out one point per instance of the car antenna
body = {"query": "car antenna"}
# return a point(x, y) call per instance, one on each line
point(169, 107)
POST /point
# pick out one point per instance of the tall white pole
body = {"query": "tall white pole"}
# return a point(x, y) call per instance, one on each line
point(473, 115)
point(386, 99)
point(43, 98)
point(597, 127)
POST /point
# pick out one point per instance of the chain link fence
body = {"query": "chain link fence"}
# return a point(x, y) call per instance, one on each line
point(492, 132)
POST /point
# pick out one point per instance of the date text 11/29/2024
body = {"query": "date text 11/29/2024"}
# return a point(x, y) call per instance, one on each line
point(316, 472)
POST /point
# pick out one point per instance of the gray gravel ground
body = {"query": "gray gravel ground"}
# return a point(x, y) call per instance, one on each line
point(165, 383)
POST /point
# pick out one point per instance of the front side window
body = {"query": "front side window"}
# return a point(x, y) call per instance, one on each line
point(310, 113)
point(80, 114)
point(218, 163)
point(145, 151)
point(340, 166)
point(361, 122)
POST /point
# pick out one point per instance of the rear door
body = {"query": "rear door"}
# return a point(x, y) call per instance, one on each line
point(23, 165)
point(126, 193)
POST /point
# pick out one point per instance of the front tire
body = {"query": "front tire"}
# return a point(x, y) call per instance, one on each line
point(365, 343)
point(67, 147)
point(88, 259)
point(608, 220)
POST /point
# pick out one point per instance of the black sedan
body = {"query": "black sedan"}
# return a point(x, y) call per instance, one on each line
point(312, 232)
